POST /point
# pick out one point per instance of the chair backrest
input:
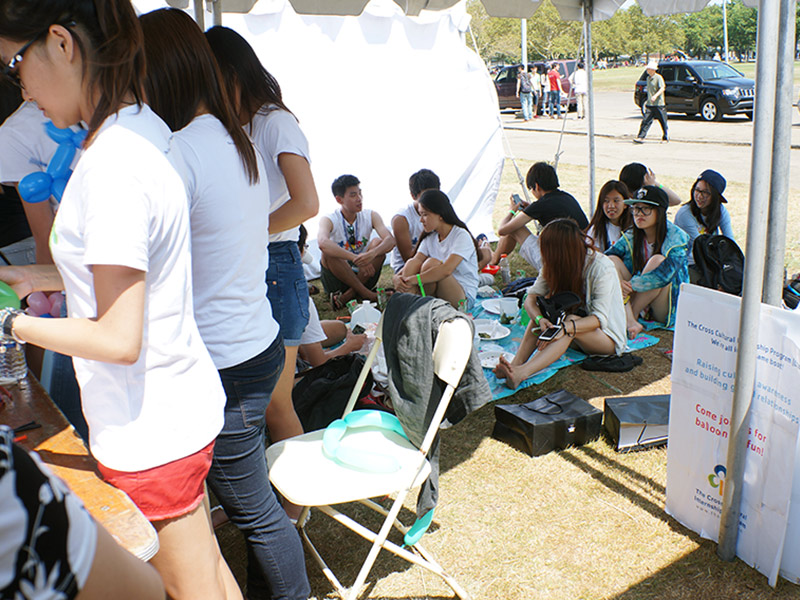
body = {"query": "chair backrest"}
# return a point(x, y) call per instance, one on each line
point(452, 349)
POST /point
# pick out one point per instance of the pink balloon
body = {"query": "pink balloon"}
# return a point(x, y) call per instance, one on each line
point(56, 302)
point(38, 303)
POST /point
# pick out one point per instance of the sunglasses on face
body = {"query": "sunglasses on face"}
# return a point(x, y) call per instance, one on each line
point(11, 69)
point(642, 210)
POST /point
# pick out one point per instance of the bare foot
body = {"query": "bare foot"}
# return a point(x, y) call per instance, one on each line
point(507, 371)
point(634, 329)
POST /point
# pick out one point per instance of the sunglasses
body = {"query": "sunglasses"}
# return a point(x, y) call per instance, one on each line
point(351, 235)
point(642, 210)
point(10, 70)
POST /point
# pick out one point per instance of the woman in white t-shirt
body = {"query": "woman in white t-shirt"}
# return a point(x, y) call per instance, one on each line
point(229, 219)
point(293, 199)
point(120, 241)
point(611, 216)
point(446, 259)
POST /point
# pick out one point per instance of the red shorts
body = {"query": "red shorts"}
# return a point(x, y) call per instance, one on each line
point(167, 491)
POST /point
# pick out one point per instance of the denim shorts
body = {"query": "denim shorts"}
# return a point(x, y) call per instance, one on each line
point(287, 290)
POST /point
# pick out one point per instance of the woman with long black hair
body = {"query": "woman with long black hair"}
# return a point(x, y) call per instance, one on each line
point(293, 199)
point(120, 241)
point(445, 260)
point(611, 216)
point(569, 264)
point(651, 260)
point(229, 217)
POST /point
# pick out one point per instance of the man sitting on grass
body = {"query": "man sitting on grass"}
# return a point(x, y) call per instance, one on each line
point(406, 224)
point(551, 203)
point(351, 261)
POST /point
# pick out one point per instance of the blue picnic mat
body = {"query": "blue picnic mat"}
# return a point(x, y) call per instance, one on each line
point(511, 343)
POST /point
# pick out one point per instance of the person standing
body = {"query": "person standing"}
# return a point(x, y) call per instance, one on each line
point(525, 92)
point(554, 95)
point(580, 86)
point(655, 106)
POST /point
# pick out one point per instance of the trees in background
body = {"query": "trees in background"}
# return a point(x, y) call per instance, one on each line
point(628, 33)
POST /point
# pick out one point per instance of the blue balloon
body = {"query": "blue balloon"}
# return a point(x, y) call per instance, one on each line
point(38, 187)
point(35, 187)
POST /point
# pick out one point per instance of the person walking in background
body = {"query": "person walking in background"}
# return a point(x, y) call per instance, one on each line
point(525, 92)
point(655, 106)
point(555, 89)
point(580, 87)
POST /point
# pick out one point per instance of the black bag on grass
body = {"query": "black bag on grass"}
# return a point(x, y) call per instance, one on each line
point(321, 395)
point(720, 263)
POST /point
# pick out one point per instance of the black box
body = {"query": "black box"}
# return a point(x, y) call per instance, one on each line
point(554, 421)
point(637, 422)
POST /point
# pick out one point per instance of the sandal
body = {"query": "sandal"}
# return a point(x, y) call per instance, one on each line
point(335, 300)
point(312, 289)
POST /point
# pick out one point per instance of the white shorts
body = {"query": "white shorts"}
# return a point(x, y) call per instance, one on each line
point(530, 251)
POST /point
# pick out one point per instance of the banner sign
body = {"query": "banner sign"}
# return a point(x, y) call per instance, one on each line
point(703, 375)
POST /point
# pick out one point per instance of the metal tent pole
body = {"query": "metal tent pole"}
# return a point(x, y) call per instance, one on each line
point(725, 27)
point(587, 61)
point(781, 147)
point(199, 17)
point(216, 10)
point(523, 27)
point(763, 129)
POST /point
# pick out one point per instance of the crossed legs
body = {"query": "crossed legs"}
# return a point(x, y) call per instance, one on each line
point(356, 284)
point(657, 300)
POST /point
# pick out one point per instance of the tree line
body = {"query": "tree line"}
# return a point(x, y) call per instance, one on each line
point(629, 33)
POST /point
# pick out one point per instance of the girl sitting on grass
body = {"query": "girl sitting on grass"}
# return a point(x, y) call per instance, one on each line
point(611, 217)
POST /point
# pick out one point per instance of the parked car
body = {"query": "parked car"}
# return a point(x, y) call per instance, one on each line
point(505, 82)
point(705, 87)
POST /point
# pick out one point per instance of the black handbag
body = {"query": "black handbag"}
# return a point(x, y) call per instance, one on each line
point(554, 421)
point(558, 306)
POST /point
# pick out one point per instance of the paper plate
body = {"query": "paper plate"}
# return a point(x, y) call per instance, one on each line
point(498, 306)
point(490, 330)
point(490, 358)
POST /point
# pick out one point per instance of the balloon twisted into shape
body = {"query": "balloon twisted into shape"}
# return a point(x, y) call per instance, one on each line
point(39, 186)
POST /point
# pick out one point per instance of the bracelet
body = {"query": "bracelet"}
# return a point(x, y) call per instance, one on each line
point(9, 315)
point(537, 319)
point(514, 213)
point(419, 283)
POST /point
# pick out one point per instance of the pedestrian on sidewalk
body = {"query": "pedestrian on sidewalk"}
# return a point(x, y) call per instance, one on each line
point(655, 106)
point(525, 92)
point(579, 81)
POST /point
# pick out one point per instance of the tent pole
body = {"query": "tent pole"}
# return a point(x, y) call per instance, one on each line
point(216, 10)
point(587, 61)
point(199, 17)
point(779, 186)
point(761, 163)
point(523, 27)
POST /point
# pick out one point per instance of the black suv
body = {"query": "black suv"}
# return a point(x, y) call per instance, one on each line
point(708, 87)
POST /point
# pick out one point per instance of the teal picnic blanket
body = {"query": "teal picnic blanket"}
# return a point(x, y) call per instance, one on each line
point(511, 343)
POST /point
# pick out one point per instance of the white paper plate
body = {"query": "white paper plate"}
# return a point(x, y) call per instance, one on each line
point(498, 306)
point(491, 330)
point(490, 358)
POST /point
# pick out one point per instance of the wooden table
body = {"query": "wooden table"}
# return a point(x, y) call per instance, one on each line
point(62, 449)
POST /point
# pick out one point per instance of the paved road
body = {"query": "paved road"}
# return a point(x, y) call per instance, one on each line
point(696, 145)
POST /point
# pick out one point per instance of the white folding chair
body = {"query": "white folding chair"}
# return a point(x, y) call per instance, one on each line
point(302, 470)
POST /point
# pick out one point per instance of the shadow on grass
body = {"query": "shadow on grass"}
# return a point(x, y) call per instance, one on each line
point(701, 574)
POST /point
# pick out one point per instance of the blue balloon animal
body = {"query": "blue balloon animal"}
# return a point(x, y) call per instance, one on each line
point(38, 186)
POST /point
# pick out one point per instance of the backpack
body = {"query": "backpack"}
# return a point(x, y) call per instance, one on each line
point(791, 293)
point(320, 396)
point(720, 263)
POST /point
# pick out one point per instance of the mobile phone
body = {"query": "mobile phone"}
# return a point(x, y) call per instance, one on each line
point(358, 329)
point(517, 200)
point(548, 335)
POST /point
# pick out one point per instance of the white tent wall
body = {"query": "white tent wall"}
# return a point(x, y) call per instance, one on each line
point(381, 96)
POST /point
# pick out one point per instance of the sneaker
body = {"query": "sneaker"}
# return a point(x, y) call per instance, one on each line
point(665, 139)
point(485, 279)
point(638, 140)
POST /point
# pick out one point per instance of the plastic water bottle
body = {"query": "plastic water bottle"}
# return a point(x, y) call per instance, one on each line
point(505, 269)
point(365, 314)
point(13, 367)
point(382, 299)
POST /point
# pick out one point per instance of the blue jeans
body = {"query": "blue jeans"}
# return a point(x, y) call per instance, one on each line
point(527, 105)
point(65, 391)
point(554, 102)
point(240, 480)
point(287, 290)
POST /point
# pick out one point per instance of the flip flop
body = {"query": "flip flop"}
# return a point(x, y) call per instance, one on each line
point(335, 301)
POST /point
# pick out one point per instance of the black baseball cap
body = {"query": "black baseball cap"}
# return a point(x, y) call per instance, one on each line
point(650, 194)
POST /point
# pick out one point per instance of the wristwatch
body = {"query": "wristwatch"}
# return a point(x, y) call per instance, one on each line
point(7, 317)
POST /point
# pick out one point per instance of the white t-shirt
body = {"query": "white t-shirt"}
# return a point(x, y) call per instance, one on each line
point(126, 205)
point(313, 332)
point(613, 233)
point(275, 133)
point(25, 147)
point(459, 242)
point(229, 223)
point(361, 228)
point(410, 214)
